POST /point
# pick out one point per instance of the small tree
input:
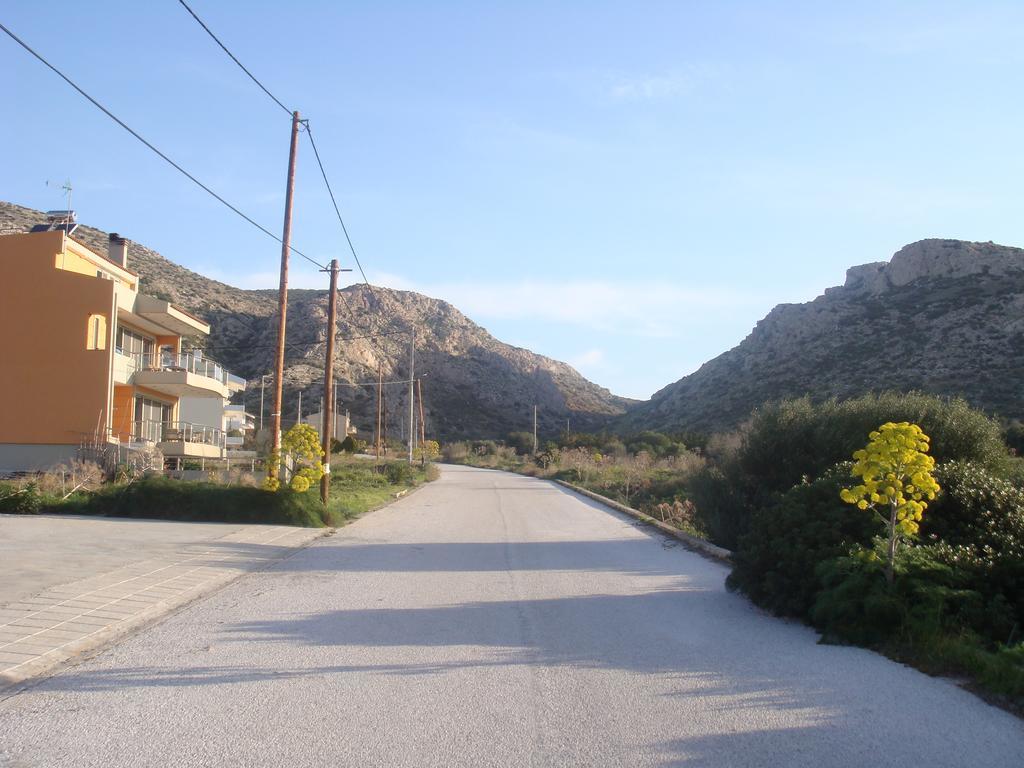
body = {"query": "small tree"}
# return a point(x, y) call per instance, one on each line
point(634, 472)
point(896, 472)
point(428, 450)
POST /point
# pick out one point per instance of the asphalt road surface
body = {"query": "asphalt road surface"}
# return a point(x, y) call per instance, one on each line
point(494, 620)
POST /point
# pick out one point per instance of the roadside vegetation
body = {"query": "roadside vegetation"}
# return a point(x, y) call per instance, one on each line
point(934, 582)
point(358, 485)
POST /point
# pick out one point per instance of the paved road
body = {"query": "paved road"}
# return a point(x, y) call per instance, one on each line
point(494, 620)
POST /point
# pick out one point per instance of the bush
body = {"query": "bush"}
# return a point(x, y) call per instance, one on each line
point(521, 441)
point(166, 499)
point(977, 526)
point(793, 439)
point(351, 444)
point(399, 473)
point(776, 561)
point(796, 441)
point(858, 605)
point(723, 507)
point(20, 499)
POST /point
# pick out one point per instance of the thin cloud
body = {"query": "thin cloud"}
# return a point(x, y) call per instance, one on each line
point(658, 87)
point(649, 309)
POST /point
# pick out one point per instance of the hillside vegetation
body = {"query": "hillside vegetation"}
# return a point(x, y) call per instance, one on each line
point(943, 316)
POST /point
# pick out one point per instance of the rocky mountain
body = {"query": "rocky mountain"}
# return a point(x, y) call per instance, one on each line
point(943, 316)
point(473, 385)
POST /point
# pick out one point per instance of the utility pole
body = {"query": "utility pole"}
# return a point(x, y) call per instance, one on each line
point(380, 404)
point(327, 409)
point(384, 417)
point(298, 419)
point(535, 429)
point(412, 399)
point(282, 298)
point(423, 423)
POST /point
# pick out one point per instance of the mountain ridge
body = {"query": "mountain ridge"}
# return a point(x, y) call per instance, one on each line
point(942, 316)
point(474, 385)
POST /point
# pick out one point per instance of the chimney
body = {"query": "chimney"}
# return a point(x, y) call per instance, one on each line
point(117, 250)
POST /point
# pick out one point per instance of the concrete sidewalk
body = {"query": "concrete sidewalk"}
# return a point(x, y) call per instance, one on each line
point(69, 585)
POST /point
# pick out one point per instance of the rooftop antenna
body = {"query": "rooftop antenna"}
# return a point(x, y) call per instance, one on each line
point(66, 186)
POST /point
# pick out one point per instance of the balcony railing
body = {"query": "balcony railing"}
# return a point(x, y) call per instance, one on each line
point(189, 361)
point(176, 432)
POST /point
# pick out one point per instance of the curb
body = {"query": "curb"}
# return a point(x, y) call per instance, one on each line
point(706, 547)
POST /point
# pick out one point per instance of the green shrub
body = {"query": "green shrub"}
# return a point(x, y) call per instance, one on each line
point(721, 498)
point(521, 441)
point(20, 500)
point(794, 439)
point(163, 498)
point(858, 605)
point(776, 561)
point(351, 444)
point(977, 526)
point(399, 473)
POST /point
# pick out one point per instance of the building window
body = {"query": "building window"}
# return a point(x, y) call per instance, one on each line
point(96, 332)
point(135, 345)
point(152, 417)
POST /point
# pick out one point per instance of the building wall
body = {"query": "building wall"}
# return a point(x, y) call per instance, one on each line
point(54, 390)
point(124, 411)
point(208, 411)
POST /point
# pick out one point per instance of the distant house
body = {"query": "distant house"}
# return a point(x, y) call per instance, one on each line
point(341, 426)
point(89, 361)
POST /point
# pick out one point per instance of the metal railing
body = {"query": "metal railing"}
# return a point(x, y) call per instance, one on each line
point(188, 361)
point(177, 432)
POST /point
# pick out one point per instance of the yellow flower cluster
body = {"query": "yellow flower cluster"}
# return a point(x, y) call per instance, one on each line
point(302, 444)
point(896, 471)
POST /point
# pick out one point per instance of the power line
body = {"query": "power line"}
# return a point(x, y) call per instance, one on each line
point(341, 221)
point(316, 153)
point(150, 146)
point(235, 59)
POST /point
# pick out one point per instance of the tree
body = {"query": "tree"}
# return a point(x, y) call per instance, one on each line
point(428, 450)
point(896, 472)
point(634, 472)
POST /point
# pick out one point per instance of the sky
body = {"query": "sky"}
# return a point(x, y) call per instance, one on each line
point(627, 186)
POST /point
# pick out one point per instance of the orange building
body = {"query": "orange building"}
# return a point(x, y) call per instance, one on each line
point(87, 360)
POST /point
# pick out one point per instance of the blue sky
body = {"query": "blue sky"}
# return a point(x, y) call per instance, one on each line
point(625, 186)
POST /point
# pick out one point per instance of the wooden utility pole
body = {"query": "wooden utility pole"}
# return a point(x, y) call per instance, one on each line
point(412, 399)
point(535, 429)
point(384, 418)
point(327, 409)
point(423, 423)
point(282, 299)
point(380, 404)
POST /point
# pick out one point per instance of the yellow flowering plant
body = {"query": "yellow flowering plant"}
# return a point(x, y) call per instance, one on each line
point(896, 476)
point(301, 443)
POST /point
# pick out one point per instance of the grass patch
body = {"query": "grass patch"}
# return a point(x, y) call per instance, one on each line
point(357, 486)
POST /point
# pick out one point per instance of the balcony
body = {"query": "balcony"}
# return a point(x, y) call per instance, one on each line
point(185, 375)
point(180, 438)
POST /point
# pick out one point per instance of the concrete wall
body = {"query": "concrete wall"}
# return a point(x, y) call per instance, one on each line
point(34, 458)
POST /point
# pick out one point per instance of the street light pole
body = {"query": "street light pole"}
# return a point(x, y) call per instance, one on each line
point(263, 380)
